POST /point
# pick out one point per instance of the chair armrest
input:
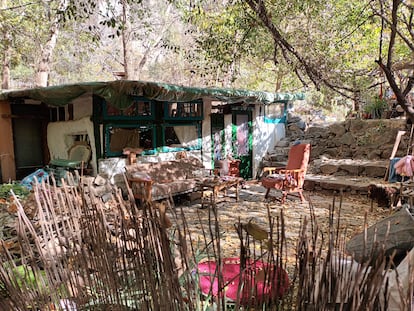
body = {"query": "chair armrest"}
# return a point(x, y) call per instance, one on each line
point(273, 169)
point(284, 171)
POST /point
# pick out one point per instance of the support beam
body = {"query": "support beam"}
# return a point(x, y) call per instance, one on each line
point(7, 161)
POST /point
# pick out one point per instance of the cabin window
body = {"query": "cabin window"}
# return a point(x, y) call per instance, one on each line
point(138, 109)
point(275, 112)
point(181, 137)
point(152, 126)
point(119, 137)
point(58, 114)
point(184, 111)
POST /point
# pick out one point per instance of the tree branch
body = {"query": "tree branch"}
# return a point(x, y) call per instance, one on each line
point(288, 50)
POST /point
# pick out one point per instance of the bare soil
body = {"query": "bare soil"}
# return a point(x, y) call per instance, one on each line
point(351, 212)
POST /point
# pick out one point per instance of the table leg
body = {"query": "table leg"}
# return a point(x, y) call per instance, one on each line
point(215, 194)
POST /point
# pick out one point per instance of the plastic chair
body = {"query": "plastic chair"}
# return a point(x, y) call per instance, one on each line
point(78, 157)
point(289, 179)
point(256, 284)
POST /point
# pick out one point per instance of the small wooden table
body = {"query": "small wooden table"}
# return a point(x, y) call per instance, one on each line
point(215, 185)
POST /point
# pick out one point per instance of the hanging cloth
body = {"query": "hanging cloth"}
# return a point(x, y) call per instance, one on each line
point(405, 166)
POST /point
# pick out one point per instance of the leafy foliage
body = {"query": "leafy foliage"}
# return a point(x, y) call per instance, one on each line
point(19, 190)
point(270, 45)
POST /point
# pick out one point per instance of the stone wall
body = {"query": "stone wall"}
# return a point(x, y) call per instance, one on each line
point(353, 139)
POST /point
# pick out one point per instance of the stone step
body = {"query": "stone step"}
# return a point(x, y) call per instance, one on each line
point(354, 185)
point(347, 175)
point(366, 168)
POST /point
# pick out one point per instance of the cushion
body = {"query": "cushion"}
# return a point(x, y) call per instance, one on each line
point(162, 191)
point(169, 177)
point(279, 181)
point(139, 175)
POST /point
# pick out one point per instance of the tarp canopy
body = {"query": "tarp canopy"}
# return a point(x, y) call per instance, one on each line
point(119, 93)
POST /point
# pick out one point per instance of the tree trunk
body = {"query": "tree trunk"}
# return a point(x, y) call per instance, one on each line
point(138, 70)
point(7, 52)
point(388, 68)
point(43, 66)
point(126, 33)
point(5, 83)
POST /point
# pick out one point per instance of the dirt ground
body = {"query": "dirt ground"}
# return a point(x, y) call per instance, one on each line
point(353, 211)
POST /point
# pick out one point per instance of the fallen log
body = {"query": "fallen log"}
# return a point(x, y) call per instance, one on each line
point(394, 234)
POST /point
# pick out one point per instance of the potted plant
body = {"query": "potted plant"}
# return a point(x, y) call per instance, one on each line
point(376, 108)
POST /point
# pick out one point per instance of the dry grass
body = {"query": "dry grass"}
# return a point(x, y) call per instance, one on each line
point(79, 253)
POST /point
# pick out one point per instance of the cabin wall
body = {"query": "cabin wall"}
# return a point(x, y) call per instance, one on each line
point(7, 164)
point(82, 107)
point(265, 137)
point(207, 158)
point(61, 136)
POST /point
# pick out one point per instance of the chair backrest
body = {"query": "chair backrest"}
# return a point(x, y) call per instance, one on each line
point(298, 157)
point(80, 152)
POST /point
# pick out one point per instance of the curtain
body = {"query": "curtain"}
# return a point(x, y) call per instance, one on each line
point(187, 135)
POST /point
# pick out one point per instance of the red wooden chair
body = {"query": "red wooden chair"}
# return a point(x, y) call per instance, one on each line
point(289, 179)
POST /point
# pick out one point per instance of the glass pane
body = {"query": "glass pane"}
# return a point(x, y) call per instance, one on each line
point(218, 143)
point(136, 109)
point(274, 111)
point(142, 108)
point(120, 138)
point(181, 136)
point(242, 134)
point(184, 110)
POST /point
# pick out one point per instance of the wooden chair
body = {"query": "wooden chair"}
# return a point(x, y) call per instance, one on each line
point(289, 179)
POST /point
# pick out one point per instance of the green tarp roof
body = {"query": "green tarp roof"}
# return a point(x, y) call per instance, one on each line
point(118, 93)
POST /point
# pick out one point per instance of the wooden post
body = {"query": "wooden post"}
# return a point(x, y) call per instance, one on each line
point(7, 162)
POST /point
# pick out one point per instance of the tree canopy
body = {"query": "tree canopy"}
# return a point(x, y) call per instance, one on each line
point(329, 46)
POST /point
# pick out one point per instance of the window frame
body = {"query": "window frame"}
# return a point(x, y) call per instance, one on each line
point(165, 148)
point(278, 119)
point(125, 117)
point(108, 126)
point(200, 108)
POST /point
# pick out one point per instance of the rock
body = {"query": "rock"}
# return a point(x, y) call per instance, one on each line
point(282, 143)
point(375, 171)
point(331, 152)
point(355, 126)
point(338, 129)
point(309, 185)
point(301, 124)
point(348, 139)
point(294, 128)
point(394, 235)
point(100, 180)
point(374, 154)
point(315, 130)
point(353, 170)
point(106, 197)
point(328, 169)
